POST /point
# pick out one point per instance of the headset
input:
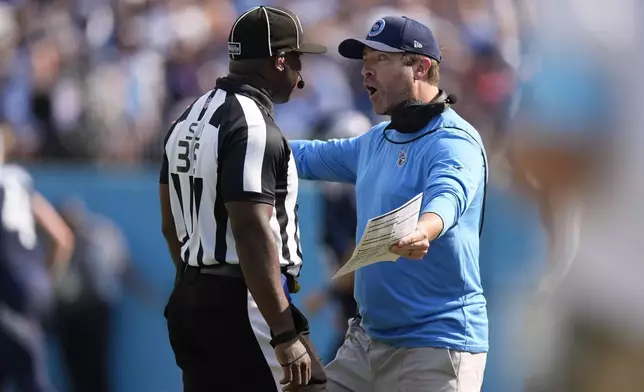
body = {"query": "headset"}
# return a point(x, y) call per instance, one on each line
point(300, 83)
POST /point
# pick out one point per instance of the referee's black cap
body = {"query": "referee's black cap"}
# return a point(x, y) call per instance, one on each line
point(265, 31)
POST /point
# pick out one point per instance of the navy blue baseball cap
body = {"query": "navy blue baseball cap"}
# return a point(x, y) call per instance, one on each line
point(394, 34)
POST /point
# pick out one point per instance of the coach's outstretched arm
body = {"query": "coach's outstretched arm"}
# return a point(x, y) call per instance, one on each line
point(453, 177)
point(335, 160)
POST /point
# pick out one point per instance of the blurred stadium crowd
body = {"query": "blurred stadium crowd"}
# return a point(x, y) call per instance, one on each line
point(99, 80)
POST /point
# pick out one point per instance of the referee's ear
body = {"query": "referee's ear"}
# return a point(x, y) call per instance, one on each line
point(280, 62)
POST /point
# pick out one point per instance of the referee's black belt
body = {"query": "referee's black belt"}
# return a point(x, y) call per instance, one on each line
point(227, 270)
point(232, 271)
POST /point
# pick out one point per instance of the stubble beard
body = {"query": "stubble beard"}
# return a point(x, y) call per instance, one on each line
point(403, 96)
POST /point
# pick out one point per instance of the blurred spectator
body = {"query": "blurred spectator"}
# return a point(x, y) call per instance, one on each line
point(581, 155)
point(493, 86)
point(26, 273)
point(88, 294)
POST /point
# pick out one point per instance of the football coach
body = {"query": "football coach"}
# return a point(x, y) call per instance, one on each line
point(422, 323)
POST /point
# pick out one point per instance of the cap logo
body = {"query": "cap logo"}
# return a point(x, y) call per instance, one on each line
point(234, 48)
point(377, 28)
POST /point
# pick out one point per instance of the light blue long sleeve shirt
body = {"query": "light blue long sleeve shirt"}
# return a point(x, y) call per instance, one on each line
point(437, 301)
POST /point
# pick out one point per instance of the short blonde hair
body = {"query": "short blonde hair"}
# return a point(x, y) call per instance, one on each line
point(433, 76)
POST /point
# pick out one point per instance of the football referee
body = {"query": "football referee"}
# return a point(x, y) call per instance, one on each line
point(228, 192)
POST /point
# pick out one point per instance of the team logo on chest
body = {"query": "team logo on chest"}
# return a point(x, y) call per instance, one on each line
point(402, 158)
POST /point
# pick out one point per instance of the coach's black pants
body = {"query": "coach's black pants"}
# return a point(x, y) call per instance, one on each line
point(220, 341)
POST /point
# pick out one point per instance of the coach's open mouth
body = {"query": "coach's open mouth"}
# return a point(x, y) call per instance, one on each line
point(370, 90)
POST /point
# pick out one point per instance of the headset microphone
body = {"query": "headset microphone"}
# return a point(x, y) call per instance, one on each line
point(300, 84)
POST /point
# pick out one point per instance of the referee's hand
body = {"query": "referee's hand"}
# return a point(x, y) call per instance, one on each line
point(296, 364)
point(414, 246)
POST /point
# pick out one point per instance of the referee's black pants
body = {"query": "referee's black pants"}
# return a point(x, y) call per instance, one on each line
point(221, 341)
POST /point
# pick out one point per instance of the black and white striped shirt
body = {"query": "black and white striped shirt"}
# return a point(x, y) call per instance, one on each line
point(226, 147)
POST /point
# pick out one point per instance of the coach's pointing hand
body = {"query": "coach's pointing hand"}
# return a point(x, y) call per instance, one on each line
point(296, 364)
point(414, 246)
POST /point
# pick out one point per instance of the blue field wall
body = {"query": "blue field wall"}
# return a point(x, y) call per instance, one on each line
point(142, 358)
